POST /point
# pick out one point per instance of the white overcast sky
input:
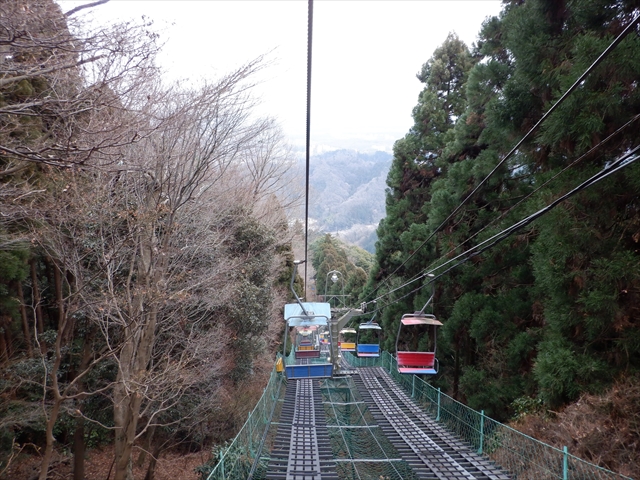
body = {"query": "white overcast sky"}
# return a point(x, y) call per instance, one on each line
point(365, 56)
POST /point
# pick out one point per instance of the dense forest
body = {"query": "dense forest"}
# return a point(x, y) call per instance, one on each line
point(536, 313)
point(144, 245)
point(351, 263)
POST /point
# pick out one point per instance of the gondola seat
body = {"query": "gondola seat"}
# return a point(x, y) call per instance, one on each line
point(417, 363)
point(348, 346)
point(307, 353)
point(368, 350)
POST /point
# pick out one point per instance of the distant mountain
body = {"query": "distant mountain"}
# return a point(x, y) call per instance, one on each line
point(347, 194)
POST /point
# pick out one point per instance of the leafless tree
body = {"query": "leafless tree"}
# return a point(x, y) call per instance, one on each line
point(173, 185)
point(146, 189)
point(270, 168)
point(60, 89)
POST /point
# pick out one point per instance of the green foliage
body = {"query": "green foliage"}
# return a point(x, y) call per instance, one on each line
point(232, 454)
point(13, 268)
point(562, 373)
point(552, 311)
point(249, 314)
point(524, 406)
point(350, 263)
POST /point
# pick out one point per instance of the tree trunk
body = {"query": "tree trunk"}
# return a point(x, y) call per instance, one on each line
point(78, 435)
point(4, 353)
point(50, 306)
point(48, 449)
point(8, 340)
point(36, 297)
point(134, 358)
point(456, 371)
point(136, 350)
point(25, 321)
point(151, 470)
point(78, 449)
point(126, 411)
point(53, 375)
point(57, 287)
point(148, 441)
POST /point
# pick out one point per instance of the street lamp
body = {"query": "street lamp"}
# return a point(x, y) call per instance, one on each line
point(334, 275)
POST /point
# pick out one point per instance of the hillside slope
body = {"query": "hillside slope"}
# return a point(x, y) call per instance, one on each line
point(347, 193)
point(602, 429)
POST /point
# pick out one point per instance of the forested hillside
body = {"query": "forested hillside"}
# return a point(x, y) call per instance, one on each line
point(145, 251)
point(351, 263)
point(347, 194)
point(552, 311)
point(144, 247)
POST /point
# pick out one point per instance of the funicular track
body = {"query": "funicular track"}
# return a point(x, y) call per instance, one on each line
point(431, 451)
point(302, 449)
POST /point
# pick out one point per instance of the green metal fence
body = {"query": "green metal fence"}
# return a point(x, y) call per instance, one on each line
point(521, 456)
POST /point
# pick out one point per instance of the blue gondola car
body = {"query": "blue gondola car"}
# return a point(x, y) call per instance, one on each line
point(371, 348)
point(308, 360)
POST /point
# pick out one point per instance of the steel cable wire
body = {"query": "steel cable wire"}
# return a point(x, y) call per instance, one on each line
point(627, 159)
point(420, 275)
point(571, 89)
point(308, 140)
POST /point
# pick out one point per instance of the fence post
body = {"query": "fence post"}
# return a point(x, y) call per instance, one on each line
point(438, 414)
point(565, 463)
point(413, 387)
point(481, 432)
point(250, 429)
point(222, 466)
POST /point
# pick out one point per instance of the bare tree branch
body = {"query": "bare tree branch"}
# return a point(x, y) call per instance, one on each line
point(86, 5)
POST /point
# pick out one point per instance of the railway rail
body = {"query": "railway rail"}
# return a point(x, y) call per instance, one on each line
point(430, 450)
point(302, 447)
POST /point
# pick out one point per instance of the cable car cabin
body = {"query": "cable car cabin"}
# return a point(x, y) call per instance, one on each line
point(307, 344)
point(368, 340)
point(347, 340)
point(308, 329)
point(417, 329)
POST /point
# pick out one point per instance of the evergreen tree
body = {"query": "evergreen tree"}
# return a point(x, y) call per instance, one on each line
point(417, 163)
point(553, 302)
point(330, 254)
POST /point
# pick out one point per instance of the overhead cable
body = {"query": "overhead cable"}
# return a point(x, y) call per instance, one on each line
point(420, 275)
point(308, 143)
point(571, 89)
point(624, 161)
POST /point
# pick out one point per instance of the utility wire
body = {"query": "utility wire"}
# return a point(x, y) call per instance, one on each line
point(306, 203)
point(420, 275)
point(571, 89)
point(625, 160)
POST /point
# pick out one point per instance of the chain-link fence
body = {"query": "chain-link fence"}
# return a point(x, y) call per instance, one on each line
point(355, 441)
point(237, 460)
point(522, 456)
